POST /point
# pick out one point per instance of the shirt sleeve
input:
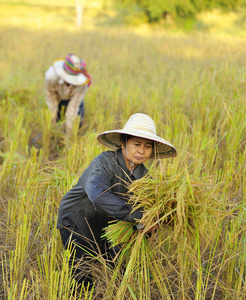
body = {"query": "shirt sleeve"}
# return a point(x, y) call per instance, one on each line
point(99, 192)
point(74, 103)
point(50, 91)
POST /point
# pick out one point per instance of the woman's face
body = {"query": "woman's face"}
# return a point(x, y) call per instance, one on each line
point(137, 150)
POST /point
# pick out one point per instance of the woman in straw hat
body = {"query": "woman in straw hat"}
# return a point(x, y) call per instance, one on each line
point(66, 83)
point(100, 194)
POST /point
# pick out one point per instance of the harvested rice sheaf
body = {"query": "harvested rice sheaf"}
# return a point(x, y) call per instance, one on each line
point(175, 200)
point(178, 201)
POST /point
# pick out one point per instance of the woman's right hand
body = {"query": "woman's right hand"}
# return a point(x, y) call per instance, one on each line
point(152, 229)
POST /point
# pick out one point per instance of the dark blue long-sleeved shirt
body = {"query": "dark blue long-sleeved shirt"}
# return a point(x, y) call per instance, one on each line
point(99, 196)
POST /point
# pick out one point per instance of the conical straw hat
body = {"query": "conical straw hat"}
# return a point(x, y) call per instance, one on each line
point(140, 125)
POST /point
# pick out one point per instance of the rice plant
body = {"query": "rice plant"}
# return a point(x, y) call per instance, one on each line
point(190, 218)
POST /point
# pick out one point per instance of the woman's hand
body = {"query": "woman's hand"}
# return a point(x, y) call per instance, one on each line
point(152, 229)
point(141, 228)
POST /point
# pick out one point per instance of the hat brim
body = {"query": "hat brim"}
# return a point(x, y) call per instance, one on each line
point(79, 79)
point(162, 149)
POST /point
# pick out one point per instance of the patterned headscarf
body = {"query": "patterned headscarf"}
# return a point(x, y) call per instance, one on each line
point(71, 69)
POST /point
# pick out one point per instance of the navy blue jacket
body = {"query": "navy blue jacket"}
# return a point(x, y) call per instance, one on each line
point(99, 196)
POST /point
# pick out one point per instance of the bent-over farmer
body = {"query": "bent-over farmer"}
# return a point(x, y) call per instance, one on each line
point(100, 194)
point(65, 85)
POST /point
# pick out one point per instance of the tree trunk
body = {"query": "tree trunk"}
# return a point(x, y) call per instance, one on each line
point(79, 6)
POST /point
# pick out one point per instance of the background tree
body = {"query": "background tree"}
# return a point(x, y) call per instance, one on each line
point(158, 9)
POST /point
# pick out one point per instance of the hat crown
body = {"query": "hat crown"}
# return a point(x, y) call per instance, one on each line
point(142, 123)
point(75, 60)
point(73, 65)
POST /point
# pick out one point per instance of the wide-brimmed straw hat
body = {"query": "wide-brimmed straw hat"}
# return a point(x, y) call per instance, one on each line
point(71, 69)
point(140, 125)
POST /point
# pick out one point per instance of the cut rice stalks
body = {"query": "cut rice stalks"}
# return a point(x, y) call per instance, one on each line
point(185, 206)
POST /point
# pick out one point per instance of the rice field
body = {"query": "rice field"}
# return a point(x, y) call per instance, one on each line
point(193, 86)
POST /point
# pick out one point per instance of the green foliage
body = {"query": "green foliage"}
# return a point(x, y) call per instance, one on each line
point(155, 10)
point(184, 9)
point(228, 4)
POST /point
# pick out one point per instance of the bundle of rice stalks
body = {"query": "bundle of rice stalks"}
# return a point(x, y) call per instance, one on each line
point(176, 200)
point(183, 204)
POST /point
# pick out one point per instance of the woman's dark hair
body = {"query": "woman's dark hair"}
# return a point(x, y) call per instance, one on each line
point(124, 138)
